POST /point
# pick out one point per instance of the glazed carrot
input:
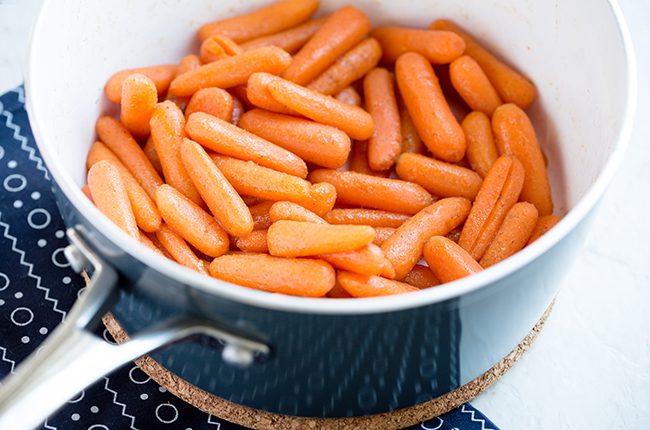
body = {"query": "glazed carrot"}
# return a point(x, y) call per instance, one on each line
point(360, 190)
point(499, 192)
point(421, 277)
point(474, 87)
point(303, 239)
point(454, 235)
point(118, 139)
point(515, 135)
point(371, 286)
point(439, 178)
point(237, 111)
point(371, 217)
point(341, 32)
point(231, 71)
point(253, 242)
point(385, 144)
point(513, 234)
point(290, 40)
point(382, 234)
point(358, 160)
point(160, 75)
point(411, 141)
point(261, 215)
point(481, 150)
point(213, 101)
point(188, 63)
point(368, 260)
point(353, 120)
point(151, 154)
point(222, 199)
point(144, 209)
point(167, 134)
point(435, 123)
point(109, 195)
point(544, 224)
point(438, 47)
point(349, 96)
point(448, 261)
point(257, 91)
point(191, 222)
point(293, 212)
point(150, 241)
point(316, 143)
point(338, 292)
point(293, 276)
point(139, 96)
point(227, 139)
point(86, 190)
point(511, 85)
point(179, 250)
point(239, 92)
point(267, 20)
point(250, 179)
point(404, 248)
point(218, 47)
point(351, 66)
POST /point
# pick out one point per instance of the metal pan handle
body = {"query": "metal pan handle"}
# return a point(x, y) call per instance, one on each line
point(73, 357)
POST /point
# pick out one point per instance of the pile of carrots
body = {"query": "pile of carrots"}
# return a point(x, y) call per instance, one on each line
point(320, 157)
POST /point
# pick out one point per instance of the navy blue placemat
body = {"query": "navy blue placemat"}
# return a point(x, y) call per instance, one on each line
point(37, 288)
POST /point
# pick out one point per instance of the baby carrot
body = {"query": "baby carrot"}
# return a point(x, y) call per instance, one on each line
point(109, 195)
point(237, 111)
point(351, 66)
point(368, 260)
point(411, 141)
point(470, 81)
point(439, 178)
point(515, 135)
point(421, 277)
point(160, 75)
point(261, 216)
point(139, 96)
point(356, 189)
point(213, 101)
point(303, 239)
point(428, 107)
point(513, 234)
point(293, 212)
point(385, 144)
point(454, 235)
point(371, 286)
point(118, 139)
point(167, 134)
point(353, 120)
point(438, 47)
point(371, 217)
point(544, 224)
point(293, 276)
point(231, 71)
point(481, 150)
point(188, 63)
point(511, 85)
point(290, 40)
point(191, 222)
point(404, 248)
point(222, 199)
point(382, 234)
point(150, 241)
point(227, 139)
point(316, 143)
point(86, 190)
point(218, 47)
point(338, 292)
point(179, 250)
point(499, 192)
point(257, 91)
point(358, 160)
point(448, 261)
point(271, 19)
point(151, 154)
point(255, 241)
point(341, 32)
point(349, 96)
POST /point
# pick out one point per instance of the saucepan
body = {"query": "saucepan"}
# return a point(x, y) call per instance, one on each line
point(299, 356)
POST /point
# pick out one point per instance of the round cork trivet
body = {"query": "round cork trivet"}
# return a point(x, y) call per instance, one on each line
point(258, 419)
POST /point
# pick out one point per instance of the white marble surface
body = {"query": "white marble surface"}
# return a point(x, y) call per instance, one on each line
point(590, 366)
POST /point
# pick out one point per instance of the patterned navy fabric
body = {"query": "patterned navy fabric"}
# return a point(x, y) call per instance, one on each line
point(37, 288)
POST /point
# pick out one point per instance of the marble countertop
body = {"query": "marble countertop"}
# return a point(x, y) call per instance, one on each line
point(590, 366)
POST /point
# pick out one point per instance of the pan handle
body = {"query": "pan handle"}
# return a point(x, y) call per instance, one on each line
point(73, 357)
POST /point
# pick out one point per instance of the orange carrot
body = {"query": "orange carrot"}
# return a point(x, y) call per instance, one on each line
point(231, 71)
point(473, 86)
point(421, 277)
point(411, 141)
point(513, 234)
point(237, 111)
point(227, 139)
point(293, 212)
point(439, 178)
point(351, 66)
point(343, 30)
point(118, 139)
point(448, 261)
point(392, 195)
point(139, 96)
point(253, 242)
point(213, 101)
point(261, 216)
point(338, 292)
point(435, 123)
point(371, 286)
point(179, 250)
point(499, 192)
point(481, 150)
point(544, 224)
point(149, 240)
point(86, 190)
point(109, 195)
point(385, 144)
point(290, 40)
point(271, 19)
point(191, 222)
point(188, 63)
point(358, 160)
point(257, 91)
point(369, 260)
point(438, 47)
point(511, 85)
point(454, 235)
point(222, 199)
point(150, 151)
point(160, 75)
point(218, 47)
point(382, 234)
point(404, 248)
point(373, 218)
point(349, 96)
point(316, 143)
point(515, 135)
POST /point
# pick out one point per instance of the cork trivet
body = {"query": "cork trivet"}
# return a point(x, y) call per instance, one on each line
point(258, 419)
